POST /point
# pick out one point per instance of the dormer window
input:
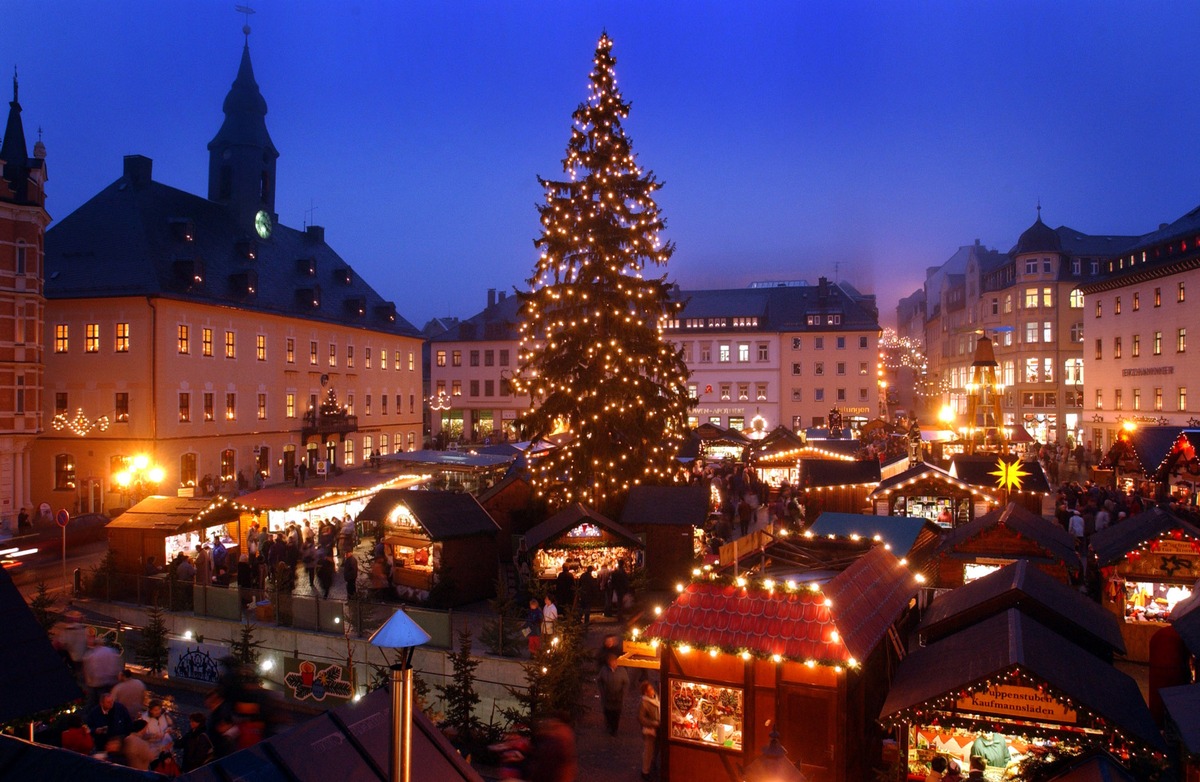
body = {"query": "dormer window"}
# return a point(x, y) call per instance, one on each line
point(306, 267)
point(343, 275)
point(244, 284)
point(356, 306)
point(386, 312)
point(183, 229)
point(248, 249)
point(309, 298)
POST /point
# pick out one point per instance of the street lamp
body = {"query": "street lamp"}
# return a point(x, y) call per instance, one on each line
point(772, 765)
point(402, 633)
point(138, 476)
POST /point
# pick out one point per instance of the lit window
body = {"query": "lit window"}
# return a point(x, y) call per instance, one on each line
point(122, 339)
point(185, 407)
point(289, 405)
point(1031, 298)
point(262, 407)
point(332, 354)
point(412, 364)
point(61, 331)
point(184, 339)
point(1158, 297)
point(1181, 341)
point(348, 452)
point(455, 358)
point(456, 388)
point(312, 353)
point(350, 357)
point(1047, 297)
point(1158, 343)
point(723, 354)
point(1135, 347)
point(367, 358)
point(207, 401)
point(1076, 299)
point(743, 351)
point(1116, 347)
point(1137, 302)
point(1182, 398)
point(760, 392)
point(206, 342)
point(121, 404)
point(1158, 398)
point(231, 407)
point(91, 338)
point(764, 351)
point(230, 345)
point(291, 350)
point(441, 358)
point(260, 347)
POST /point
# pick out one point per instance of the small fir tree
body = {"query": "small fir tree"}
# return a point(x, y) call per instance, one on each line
point(42, 606)
point(245, 648)
point(152, 651)
point(593, 358)
point(459, 697)
point(554, 677)
point(501, 632)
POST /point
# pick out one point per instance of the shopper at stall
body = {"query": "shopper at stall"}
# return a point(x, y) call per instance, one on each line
point(549, 616)
point(350, 574)
point(587, 591)
point(108, 720)
point(612, 682)
point(204, 570)
point(978, 765)
point(129, 692)
point(324, 572)
point(308, 556)
point(196, 746)
point(648, 718)
point(564, 587)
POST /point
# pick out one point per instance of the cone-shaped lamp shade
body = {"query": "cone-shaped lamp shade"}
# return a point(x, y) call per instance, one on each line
point(399, 632)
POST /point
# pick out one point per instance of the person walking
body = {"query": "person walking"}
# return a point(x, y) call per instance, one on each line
point(549, 616)
point(324, 572)
point(350, 574)
point(533, 627)
point(587, 592)
point(308, 555)
point(612, 682)
point(648, 718)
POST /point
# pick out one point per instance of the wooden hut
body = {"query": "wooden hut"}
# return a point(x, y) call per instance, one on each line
point(836, 485)
point(668, 519)
point(434, 536)
point(163, 526)
point(1001, 537)
point(810, 660)
point(1003, 685)
point(774, 457)
point(1027, 588)
point(1149, 562)
point(717, 444)
point(577, 537)
point(927, 490)
point(1032, 491)
point(911, 538)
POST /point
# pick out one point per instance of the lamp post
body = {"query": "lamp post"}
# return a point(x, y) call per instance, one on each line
point(401, 633)
point(772, 765)
point(137, 476)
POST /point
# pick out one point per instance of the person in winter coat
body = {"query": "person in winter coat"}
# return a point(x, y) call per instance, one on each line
point(648, 718)
point(324, 572)
point(613, 682)
point(350, 574)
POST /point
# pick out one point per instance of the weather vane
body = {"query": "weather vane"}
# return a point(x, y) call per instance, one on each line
point(245, 11)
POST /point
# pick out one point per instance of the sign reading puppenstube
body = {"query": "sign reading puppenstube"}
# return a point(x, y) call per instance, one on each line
point(1017, 702)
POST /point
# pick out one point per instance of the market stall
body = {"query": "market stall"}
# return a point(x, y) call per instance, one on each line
point(1026, 587)
point(435, 538)
point(1009, 686)
point(577, 537)
point(718, 444)
point(453, 470)
point(809, 658)
point(1001, 537)
point(1029, 488)
point(928, 491)
point(774, 457)
point(1149, 563)
point(670, 519)
point(164, 526)
point(1182, 706)
point(838, 485)
point(911, 538)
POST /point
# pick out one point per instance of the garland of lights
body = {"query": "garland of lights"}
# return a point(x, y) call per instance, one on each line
point(336, 496)
point(80, 424)
point(592, 351)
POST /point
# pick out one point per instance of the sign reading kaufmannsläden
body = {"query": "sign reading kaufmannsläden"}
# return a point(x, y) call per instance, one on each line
point(1008, 700)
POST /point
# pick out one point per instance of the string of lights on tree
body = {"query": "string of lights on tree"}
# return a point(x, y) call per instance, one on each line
point(592, 356)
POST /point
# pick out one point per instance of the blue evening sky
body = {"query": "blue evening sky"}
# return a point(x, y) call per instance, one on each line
point(792, 136)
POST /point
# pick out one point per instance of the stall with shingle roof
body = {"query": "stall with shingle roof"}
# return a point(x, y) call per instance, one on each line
point(927, 490)
point(1148, 564)
point(577, 537)
point(735, 653)
point(669, 519)
point(162, 526)
point(1000, 537)
point(1000, 685)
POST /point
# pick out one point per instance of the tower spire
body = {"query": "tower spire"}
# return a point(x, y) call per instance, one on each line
point(14, 151)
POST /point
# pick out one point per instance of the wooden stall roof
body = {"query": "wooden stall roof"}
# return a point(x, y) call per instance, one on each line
point(679, 504)
point(1113, 542)
point(1149, 446)
point(1185, 618)
point(1056, 542)
point(319, 493)
point(571, 517)
point(817, 473)
point(349, 743)
point(1011, 641)
point(908, 536)
point(33, 676)
point(444, 515)
point(1025, 587)
point(835, 625)
point(711, 434)
point(843, 449)
point(979, 470)
point(21, 760)
point(461, 461)
point(175, 514)
point(1097, 766)
point(926, 471)
point(1183, 704)
point(779, 444)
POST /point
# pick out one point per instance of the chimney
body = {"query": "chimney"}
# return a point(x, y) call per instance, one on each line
point(500, 296)
point(314, 234)
point(138, 169)
point(822, 287)
point(491, 297)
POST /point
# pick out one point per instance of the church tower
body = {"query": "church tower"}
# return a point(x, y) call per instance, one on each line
point(23, 221)
point(241, 157)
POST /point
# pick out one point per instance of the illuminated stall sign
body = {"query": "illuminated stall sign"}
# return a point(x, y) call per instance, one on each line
point(585, 530)
point(1016, 702)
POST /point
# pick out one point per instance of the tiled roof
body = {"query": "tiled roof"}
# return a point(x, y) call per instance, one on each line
point(840, 623)
point(174, 513)
point(1010, 641)
point(1054, 540)
point(1022, 586)
point(1183, 704)
point(1116, 540)
point(666, 505)
point(128, 240)
point(1185, 618)
point(783, 308)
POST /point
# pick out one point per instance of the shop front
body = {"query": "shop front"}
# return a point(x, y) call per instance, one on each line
point(775, 456)
point(930, 492)
point(1007, 688)
point(162, 527)
point(737, 661)
point(1149, 563)
point(577, 537)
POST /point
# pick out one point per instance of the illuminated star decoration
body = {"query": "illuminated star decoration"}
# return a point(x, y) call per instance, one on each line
point(1008, 476)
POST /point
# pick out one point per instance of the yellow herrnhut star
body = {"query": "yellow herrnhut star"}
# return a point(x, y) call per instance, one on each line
point(1008, 476)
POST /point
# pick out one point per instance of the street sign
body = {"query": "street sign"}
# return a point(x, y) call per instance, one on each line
point(62, 517)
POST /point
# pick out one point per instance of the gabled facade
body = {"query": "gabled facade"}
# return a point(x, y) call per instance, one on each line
point(23, 221)
point(204, 335)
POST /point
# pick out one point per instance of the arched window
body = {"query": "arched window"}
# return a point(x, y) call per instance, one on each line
point(1076, 299)
point(228, 464)
point(187, 470)
point(64, 472)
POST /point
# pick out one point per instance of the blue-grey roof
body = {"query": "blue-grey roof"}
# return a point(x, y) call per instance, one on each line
point(132, 239)
point(899, 532)
point(780, 308)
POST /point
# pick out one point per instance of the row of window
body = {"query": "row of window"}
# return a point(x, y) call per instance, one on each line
point(748, 322)
point(1136, 300)
point(489, 357)
point(725, 391)
point(725, 352)
point(1119, 399)
point(91, 344)
point(208, 405)
point(1037, 297)
point(864, 368)
point(1135, 344)
point(840, 394)
point(1033, 370)
point(64, 463)
point(818, 343)
point(489, 387)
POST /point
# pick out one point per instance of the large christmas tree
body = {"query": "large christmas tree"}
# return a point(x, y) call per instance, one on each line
point(593, 358)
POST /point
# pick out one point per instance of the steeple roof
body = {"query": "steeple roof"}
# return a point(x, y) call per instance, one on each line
point(1038, 238)
point(14, 151)
point(245, 112)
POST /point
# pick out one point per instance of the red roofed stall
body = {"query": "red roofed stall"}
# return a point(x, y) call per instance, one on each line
point(810, 658)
